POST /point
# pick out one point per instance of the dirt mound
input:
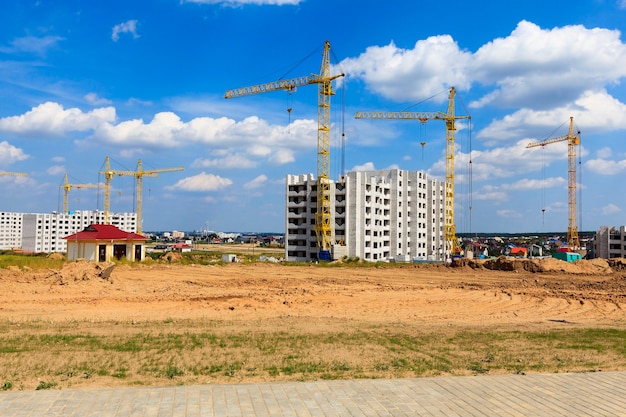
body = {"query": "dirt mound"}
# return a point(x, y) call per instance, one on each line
point(56, 255)
point(172, 257)
point(81, 271)
point(617, 264)
point(592, 267)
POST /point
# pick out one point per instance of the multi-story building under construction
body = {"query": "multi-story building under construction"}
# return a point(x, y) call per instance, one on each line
point(376, 216)
point(44, 232)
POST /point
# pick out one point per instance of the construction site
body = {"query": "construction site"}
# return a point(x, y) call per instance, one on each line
point(389, 215)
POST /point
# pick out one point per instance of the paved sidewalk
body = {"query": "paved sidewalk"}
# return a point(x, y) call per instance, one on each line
point(583, 394)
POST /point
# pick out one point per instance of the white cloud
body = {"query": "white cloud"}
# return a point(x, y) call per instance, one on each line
point(258, 182)
point(55, 170)
point(606, 152)
point(408, 74)
point(229, 161)
point(549, 74)
point(596, 110)
point(610, 209)
point(52, 118)
point(552, 66)
point(10, 154)
point(130, 26)
point(368, 166)
point(509, 214)
point(202, 182)
point(58, 159)
point(282, 156)
point(94, 100)
point(605, 166)
point(621, 4)
point(32, 44)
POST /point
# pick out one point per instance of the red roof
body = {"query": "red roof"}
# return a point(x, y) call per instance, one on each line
point(104, 232)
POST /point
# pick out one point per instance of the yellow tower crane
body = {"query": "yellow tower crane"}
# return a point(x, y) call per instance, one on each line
point(67, 187)
point(13, 174)
point(139, 174)
point(451, 244)
point(573, 138)
point(323, 228)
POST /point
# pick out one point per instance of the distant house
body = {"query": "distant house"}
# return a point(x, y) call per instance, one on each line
point(101, 242)
point(181, 247)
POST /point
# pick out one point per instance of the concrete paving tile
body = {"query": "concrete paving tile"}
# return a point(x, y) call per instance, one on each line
point(585, 394)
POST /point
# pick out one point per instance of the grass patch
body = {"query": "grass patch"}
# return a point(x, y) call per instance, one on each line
point(190, 353)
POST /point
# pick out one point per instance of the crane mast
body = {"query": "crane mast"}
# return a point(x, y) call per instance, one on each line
point(323, 228)
point(573, 138)
point(139, 174)
point(449, 118)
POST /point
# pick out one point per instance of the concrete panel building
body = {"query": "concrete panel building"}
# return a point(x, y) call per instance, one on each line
point(610, 242)
point(10, 230)
point(377, 216)
point(44, 232)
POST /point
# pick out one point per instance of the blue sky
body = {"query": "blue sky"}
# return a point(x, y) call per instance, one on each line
point(81, 80)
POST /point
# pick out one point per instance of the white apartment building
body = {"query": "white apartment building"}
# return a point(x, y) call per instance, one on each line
point(45, 232)
point(378, 216)
point(10, 230)
point(610, 242)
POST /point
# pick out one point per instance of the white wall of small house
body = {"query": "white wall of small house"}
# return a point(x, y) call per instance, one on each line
point(88, 250)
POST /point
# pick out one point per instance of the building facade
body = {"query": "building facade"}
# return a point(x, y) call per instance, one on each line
point(10, 230)
point(44, 232)
point(610, 242)
point(377, 216)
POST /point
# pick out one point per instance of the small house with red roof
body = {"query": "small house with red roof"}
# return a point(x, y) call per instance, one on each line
point(101, 242)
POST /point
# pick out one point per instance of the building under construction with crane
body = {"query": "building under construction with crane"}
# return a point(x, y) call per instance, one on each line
point(376, 215)
point(373, 215)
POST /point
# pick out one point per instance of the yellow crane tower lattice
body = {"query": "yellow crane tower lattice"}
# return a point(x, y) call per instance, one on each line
point(450, 240)
point(67, 187)
point(13, 174)
point(323, 229)
point(573, 138)
point(139, 174)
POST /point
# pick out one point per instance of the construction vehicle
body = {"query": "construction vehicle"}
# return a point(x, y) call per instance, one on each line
point(139, 174)
point(450, 240)
point(67, 187)
point(323, 228)
point(573, 138)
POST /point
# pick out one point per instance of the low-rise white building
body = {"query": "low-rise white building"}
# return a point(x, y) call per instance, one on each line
point(44, 232)
point(377, 216)
point(610, 242)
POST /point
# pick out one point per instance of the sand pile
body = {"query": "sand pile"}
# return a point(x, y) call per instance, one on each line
point(81, 271)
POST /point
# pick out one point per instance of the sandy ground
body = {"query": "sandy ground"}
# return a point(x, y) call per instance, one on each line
point(514, 293)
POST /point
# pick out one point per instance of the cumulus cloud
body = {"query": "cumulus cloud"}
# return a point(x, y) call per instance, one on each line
point(52, 119)
point(408, 74)
point(10, 154)
point(548, 74)
point(368, 166)
point(258, 182)
point(202, 182)
point(605, 166)
point(130, 26)
point(596, 110)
